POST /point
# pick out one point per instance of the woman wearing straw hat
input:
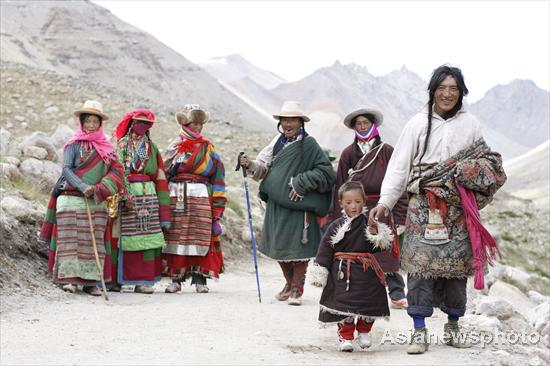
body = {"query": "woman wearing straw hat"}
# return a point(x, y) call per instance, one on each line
point(297, 180)
point(196, 178)
point(90, 174)
point(145, 208)
point(366, 161)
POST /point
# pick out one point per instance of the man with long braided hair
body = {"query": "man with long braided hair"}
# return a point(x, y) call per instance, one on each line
point(443, 163)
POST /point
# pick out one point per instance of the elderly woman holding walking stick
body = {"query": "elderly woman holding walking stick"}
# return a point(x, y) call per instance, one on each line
point(77, 213)
point(297, 180)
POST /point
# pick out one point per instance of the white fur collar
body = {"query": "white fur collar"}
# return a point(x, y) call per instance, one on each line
point(344, 227)
point(341, 231)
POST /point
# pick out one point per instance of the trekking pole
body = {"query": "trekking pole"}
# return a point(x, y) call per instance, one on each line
point(245, 183)
point(99, 266)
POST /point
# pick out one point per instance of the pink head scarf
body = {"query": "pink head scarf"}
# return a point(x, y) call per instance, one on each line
point(97, 139)
point(369, 135)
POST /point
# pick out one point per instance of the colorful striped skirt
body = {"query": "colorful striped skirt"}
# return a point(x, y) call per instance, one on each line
point(138, 238)
point(190, 245)
point(72, 258)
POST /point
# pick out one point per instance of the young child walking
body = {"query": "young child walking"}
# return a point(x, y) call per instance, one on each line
point(354, 291)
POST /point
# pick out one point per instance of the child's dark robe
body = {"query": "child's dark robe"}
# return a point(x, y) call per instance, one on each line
point(366, 296)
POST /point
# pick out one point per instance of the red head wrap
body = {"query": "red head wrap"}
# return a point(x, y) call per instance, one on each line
point(122, 127)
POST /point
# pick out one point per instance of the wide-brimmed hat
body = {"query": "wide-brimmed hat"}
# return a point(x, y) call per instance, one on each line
point(378, 116)
point(192, 113)
point(92, 107)
point(143, 118)
point(291, 109)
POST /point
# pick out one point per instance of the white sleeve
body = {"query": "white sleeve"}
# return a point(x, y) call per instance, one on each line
point(399, 166)
point(260, 166)
point(478, 130)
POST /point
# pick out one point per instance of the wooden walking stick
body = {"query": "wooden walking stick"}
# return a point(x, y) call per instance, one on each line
point(99, 266)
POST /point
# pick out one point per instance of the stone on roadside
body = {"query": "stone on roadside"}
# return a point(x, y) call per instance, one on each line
point(539, 318)
point(512, 294)
point(43, 173)
point(494, 306)
point(12, 160)
point(483, 323)
point(537, 298)
point(42, 140)
point(35, 152)
point(52, 110)
point(245, 234)
point(10, 171)
point(17, 207)
point(6, 138)
point(61, 135)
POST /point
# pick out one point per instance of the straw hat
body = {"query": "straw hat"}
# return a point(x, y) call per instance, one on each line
point(192, 113)
point(291, 109)
point(92, 107)
point(378, 116)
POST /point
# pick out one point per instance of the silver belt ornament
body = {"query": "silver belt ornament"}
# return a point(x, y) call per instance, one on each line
point(143, 217)
point(436, 232)
point(180, 197)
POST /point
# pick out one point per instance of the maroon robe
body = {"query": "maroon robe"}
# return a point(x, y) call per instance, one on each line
point(371, 178)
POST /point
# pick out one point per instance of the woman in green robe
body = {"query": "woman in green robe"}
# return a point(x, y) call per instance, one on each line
point(297, 180)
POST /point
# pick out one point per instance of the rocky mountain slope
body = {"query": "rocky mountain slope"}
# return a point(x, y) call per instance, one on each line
point(247, 81)
point(518, 110)
point(235, 67)
point(529, 176)
point(331, 92)
point(81, 39)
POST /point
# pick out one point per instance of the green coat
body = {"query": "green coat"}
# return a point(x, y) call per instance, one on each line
point(313, 178)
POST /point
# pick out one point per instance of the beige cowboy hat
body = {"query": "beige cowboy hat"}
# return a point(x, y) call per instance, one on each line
point(378, 116)
point(291, 109)
point(92, 107)
point(192, 113)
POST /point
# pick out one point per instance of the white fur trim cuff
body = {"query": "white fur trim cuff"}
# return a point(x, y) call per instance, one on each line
point(383, 239)
point(317, 275)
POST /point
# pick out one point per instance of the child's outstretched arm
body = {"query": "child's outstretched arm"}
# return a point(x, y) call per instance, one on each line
point(318, 272)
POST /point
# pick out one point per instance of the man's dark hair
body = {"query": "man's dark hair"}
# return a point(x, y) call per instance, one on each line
point(438, 76)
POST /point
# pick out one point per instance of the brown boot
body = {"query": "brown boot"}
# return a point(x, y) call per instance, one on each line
point(295, 297)
point(92, 290)
point(287, 269)
point(299, 275)
point(284, 294)
point(69, 287)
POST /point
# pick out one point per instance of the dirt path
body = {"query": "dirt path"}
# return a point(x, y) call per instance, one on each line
point(226, 326)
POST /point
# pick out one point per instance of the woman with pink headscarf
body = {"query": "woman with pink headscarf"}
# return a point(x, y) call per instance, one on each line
point(90, 173)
